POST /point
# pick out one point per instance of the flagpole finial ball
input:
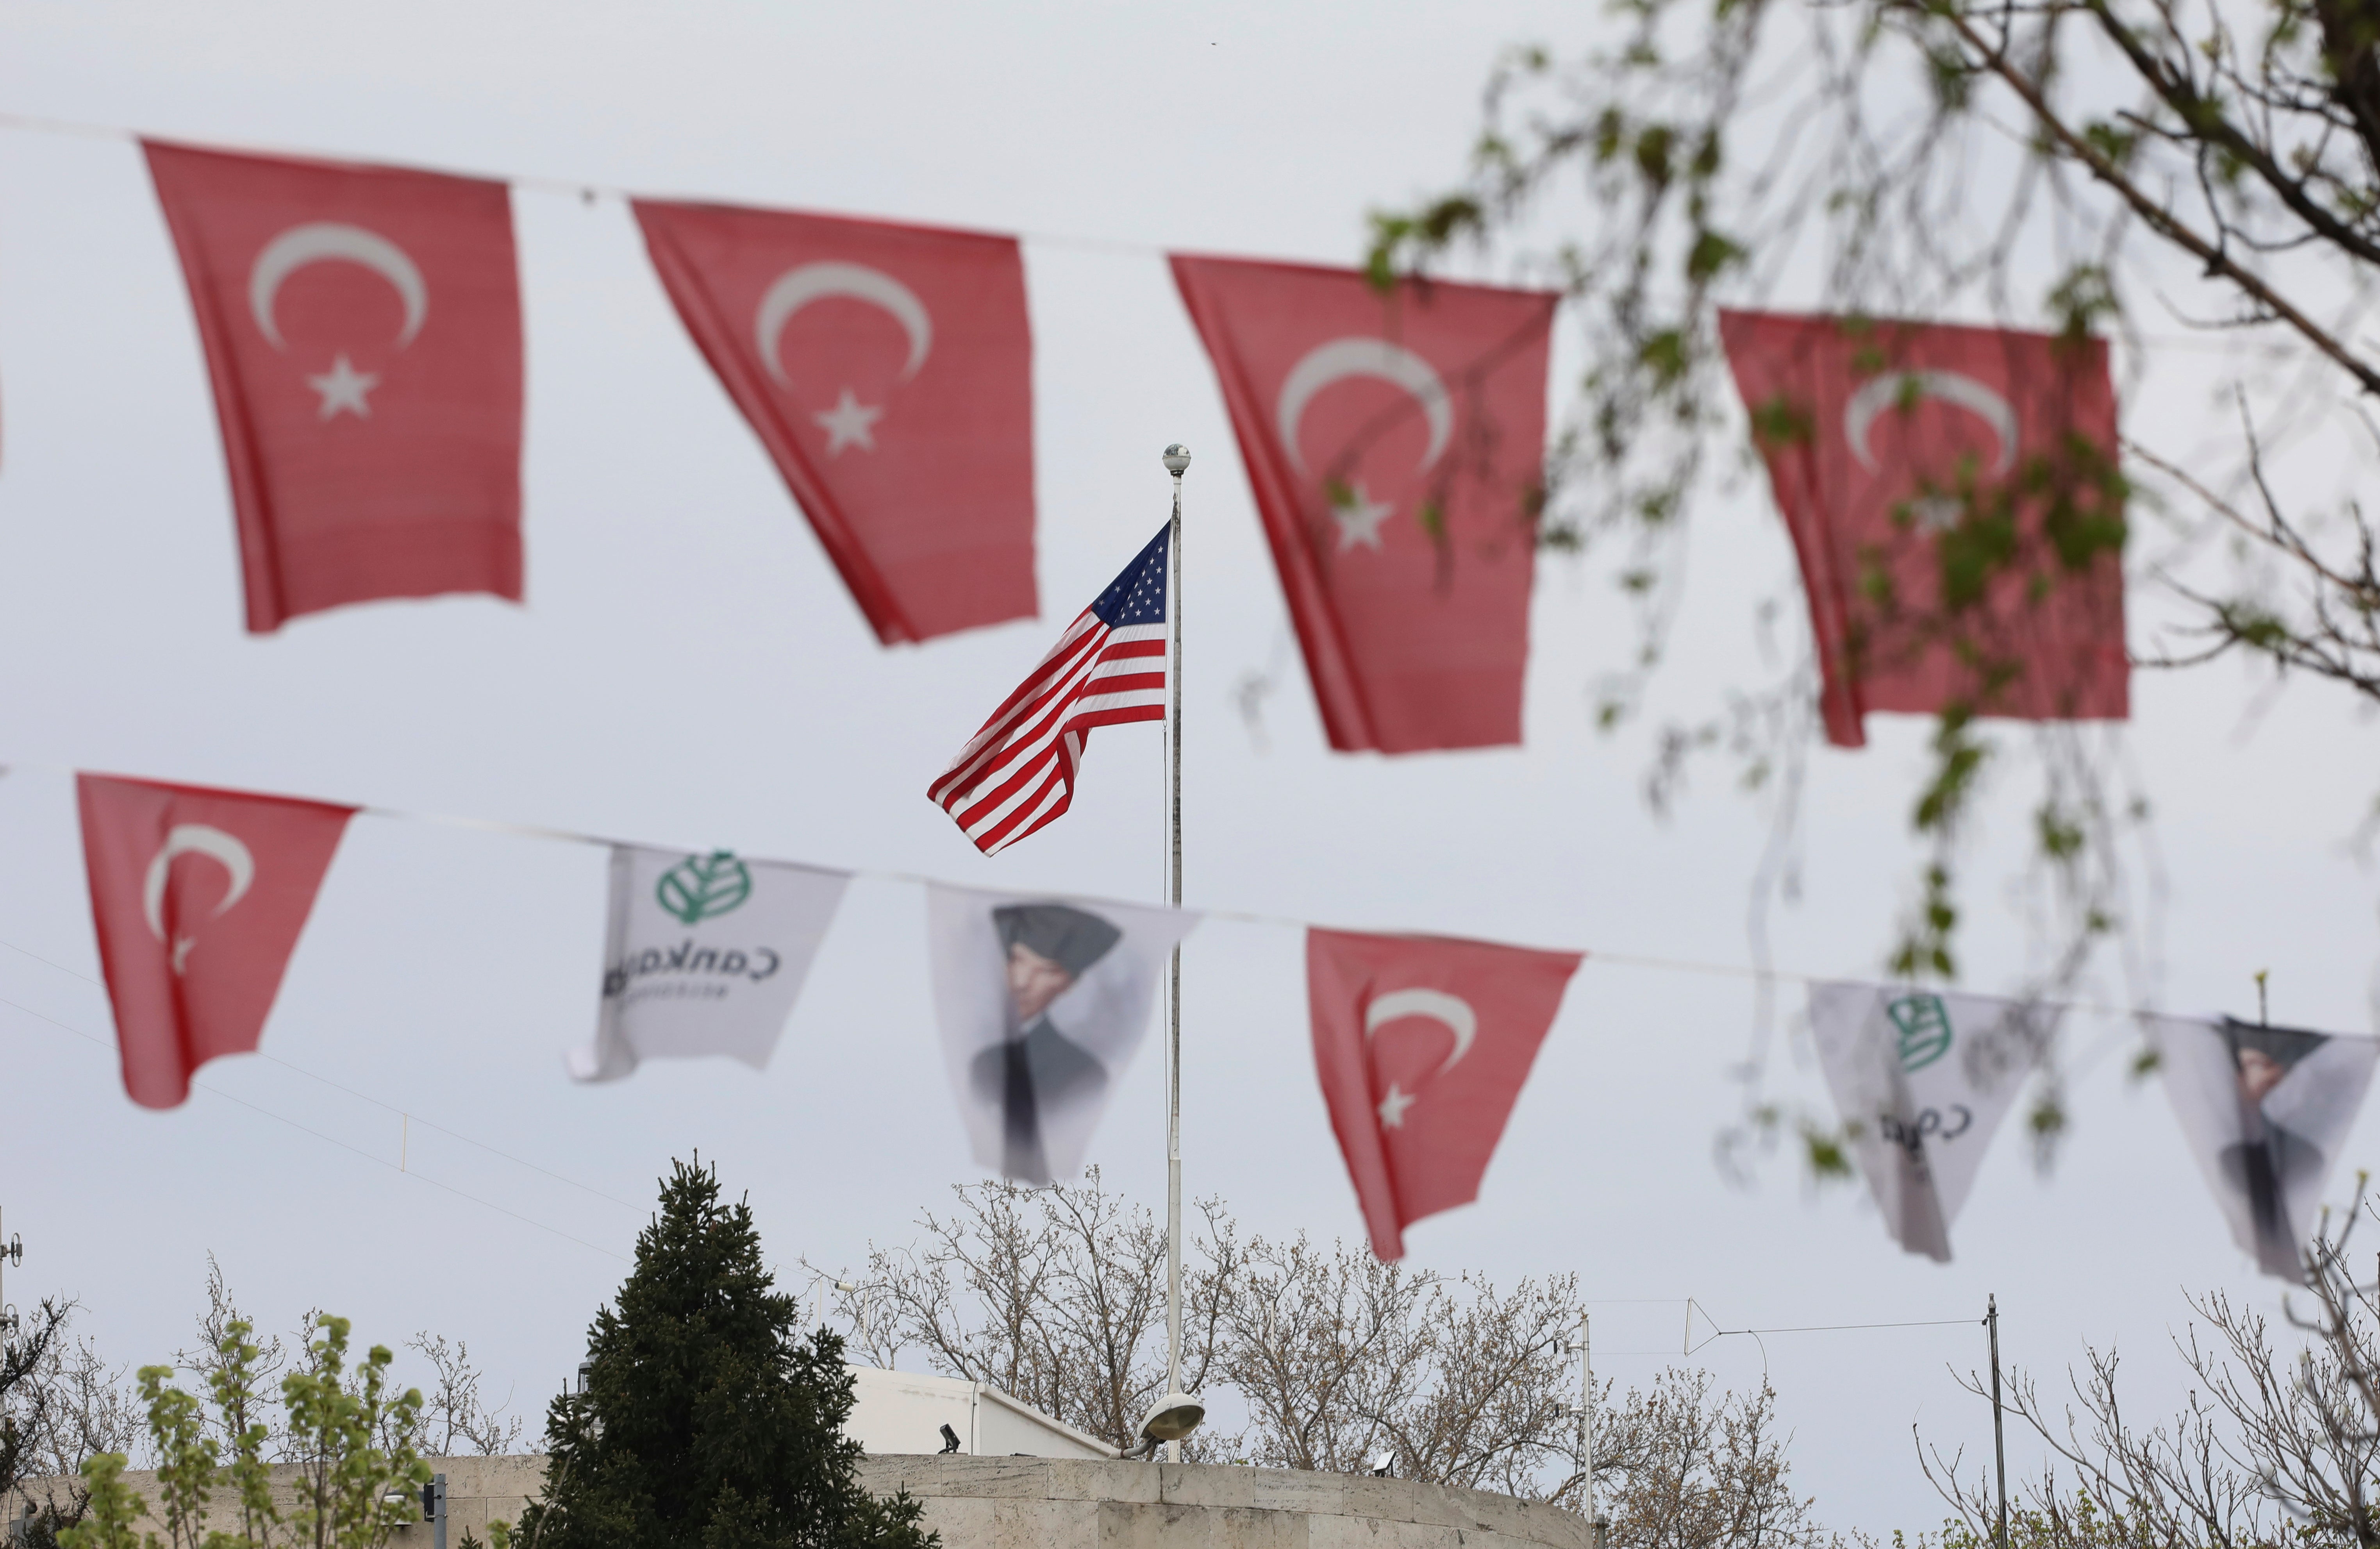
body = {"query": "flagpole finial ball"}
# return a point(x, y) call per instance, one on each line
point(1177, 457)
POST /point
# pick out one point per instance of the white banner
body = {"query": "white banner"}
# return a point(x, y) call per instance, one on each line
point(1921, 1081)
point(1042, 1003)
point(705, 955)
point(2264, 1110)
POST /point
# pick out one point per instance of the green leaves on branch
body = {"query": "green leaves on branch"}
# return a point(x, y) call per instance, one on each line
point(337, 1418)
point(185, 1455)
point(114, 1512)
point(1711, 255)
point(1959, 760)
point(1664, 355)
point(352, 1440)
point(1403, 241)
point(2118, 145)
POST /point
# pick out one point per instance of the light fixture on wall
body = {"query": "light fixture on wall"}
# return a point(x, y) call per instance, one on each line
point(1175, 1416)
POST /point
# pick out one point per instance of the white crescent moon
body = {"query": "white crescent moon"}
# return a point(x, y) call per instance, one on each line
point(1437, 1005)
point(797, 287)
point(1881, 393)
point(318, 240)
point(1342, 359)
point(196, 838)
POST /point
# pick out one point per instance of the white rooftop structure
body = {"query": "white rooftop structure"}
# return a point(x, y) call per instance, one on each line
point(903, 1411)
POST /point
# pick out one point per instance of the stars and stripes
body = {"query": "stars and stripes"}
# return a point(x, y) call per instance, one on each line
point(1018, 772)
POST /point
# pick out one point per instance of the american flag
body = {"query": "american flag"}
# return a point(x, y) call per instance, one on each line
point(1018, 772)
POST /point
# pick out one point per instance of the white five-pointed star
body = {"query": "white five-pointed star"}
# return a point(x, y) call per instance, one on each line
point(1393, 1106)
point(343, 388)
point(1359, 517)
point(848, 423)
point(1937, 513)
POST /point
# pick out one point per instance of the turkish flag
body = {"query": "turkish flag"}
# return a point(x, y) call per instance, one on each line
point(363, 332)
point(1422, 1044)
point(888, 372)
point(1954, 500)
point(1396, 443)
point(198, 896)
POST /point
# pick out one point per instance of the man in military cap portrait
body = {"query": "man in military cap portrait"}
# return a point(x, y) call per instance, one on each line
point(1036, 1068)
point(2269, 1157)
point(2265, 1111)
point(1042, 1003)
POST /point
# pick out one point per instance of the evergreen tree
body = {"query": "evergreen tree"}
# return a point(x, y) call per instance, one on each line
point(706, 1422)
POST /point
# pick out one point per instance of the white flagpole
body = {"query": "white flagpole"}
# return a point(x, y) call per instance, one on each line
point(1177, 461)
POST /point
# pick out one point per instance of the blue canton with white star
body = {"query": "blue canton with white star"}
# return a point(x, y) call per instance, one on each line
point(1138, 595)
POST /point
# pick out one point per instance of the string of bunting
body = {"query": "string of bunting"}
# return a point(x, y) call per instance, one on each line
point(363, 328)
point(1422, 1043)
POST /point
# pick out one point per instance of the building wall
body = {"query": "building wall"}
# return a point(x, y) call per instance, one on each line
point(903, 1411)
point(1051, 1502)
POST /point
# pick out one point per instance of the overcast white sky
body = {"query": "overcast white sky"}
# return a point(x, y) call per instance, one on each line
point(687, 670)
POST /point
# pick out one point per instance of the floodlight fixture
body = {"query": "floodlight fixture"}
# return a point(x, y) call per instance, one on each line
point(1175, 1416)
point(949, 1439)
point(1384, 1466)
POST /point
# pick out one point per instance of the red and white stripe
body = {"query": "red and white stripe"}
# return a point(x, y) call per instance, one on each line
point(1018, 772)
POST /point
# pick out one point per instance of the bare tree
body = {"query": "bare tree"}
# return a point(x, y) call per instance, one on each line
point(207, 1359)
point(454, 1419)
point(1057, 1296)
point(1342, 1358)
point(60, 1404)
point(1054, 1295)
point(453, 1411)
point(1320, 1342)
point(24, 1401)
point(1696, 1469)
point(2273, 1445)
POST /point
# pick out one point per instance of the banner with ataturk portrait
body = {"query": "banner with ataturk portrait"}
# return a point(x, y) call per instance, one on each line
point(1042, 1003)
point(2265, 1111)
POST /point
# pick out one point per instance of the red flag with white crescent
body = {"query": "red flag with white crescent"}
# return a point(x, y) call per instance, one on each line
point(888, 372)
point(1396, 443)
point(199, 896)
point(1953, 498)
point(1423, 1044)
point(363, 334)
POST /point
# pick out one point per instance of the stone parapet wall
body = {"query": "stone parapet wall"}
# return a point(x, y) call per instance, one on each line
point(478, 1490)
point(1049, 1503)
point(1044, 1503)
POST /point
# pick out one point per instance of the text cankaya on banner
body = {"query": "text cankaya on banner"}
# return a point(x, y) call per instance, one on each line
point(704, 954)
point(1921, 1081)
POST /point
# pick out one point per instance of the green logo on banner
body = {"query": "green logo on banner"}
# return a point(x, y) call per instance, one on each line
point(704, 886)
point(1925, 1024)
